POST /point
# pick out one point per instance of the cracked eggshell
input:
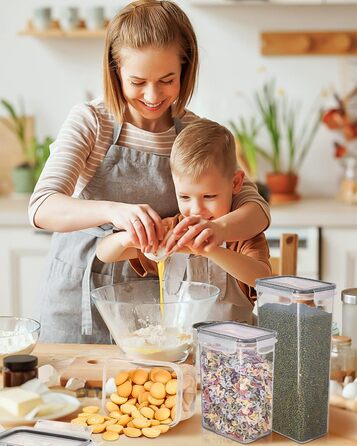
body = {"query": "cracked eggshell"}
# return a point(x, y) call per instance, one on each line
point(159, 255)
point(110, 386)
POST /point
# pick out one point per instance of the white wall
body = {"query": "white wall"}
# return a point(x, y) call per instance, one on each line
point(53, 74)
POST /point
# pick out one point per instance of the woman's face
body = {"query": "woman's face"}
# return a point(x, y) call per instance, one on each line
point(150, 80)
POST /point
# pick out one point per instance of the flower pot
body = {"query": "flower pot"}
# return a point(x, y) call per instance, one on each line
point(282, 187)
point(23, 179)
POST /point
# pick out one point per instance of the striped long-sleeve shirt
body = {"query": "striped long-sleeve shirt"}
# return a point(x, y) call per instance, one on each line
point(82, 144)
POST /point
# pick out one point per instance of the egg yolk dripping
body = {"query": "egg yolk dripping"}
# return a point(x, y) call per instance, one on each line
point(160, 270)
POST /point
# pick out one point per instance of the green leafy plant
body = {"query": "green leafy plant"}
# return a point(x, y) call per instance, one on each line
point(35, 152)
point(41, 152)
point(18, 125)
point(246, 132)
point(281, 121)
point(269, 108)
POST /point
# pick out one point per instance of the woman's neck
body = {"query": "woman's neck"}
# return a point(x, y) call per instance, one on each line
point(162, 124)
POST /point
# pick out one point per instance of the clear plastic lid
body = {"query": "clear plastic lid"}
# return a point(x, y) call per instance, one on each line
point(295, 286)
point(230, 336)
point(29, 436)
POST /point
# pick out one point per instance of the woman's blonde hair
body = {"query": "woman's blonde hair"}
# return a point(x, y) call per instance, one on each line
point(202, 145)
point(146, 23)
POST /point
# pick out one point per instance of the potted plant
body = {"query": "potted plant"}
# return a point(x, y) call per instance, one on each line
point(22, 174)
point(246, 133)
point(281, 121)
point(34, 152)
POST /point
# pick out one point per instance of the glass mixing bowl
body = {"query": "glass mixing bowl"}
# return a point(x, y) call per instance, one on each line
point(18, 336)
point(132, 313)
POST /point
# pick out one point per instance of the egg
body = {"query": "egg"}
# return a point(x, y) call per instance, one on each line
point(350, 391)
point(335, 388)
point(158, 256)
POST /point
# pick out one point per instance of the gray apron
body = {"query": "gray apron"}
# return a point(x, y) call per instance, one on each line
point(232, 303)
point(125, 175)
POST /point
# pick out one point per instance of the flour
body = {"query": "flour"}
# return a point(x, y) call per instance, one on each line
point(15, 342)
point(158, 343)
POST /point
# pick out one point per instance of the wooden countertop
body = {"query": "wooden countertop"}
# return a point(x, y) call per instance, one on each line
point(187, 433)
point(320, 212)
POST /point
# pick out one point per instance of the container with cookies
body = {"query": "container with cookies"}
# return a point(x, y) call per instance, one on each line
point(141, 399)
point(162, 393)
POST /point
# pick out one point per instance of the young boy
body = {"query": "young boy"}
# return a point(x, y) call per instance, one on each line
point(204, 170)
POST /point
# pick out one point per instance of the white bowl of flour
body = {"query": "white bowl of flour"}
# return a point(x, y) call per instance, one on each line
point(18, 336)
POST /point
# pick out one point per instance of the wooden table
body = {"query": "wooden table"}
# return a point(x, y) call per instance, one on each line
point(187, 433)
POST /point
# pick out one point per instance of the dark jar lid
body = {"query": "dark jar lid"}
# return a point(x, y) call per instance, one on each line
point(20, 363)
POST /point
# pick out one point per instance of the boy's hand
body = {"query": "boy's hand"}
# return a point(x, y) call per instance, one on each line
point(196, 233)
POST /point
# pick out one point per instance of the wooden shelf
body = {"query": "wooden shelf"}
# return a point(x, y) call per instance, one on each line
point(324, 3)
point(307, 43)
point(56, 32)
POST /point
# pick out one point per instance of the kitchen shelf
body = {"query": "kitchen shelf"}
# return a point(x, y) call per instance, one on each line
point(56, 32)
point(273, 2)
point(309, 43)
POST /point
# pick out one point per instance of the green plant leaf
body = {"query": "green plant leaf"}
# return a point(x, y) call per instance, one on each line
point(309, 137)
point(269, 107)
point(246, 132)
point(17, 124)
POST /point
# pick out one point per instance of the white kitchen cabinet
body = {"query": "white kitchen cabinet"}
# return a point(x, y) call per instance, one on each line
point(22, 259)
point(339, 261)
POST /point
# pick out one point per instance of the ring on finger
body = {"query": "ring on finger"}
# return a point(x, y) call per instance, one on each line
point(134, 221)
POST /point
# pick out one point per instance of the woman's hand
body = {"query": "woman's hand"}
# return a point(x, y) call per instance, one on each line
point(196, 233)
point(143, 224)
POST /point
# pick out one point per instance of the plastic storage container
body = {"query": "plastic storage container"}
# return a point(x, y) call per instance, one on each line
point(300, 310)
point(237, 363)
point(47, 433)
point(195, 349)
point(132, 382)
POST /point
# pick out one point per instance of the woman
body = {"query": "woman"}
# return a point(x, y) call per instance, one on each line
point(109, 167)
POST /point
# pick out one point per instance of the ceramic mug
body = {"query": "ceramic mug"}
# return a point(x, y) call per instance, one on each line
point(95, 18)
point(42, 18)
point(69, 18)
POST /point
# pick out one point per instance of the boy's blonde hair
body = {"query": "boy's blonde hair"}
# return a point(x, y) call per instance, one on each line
point(146, 23)
point(202, 145)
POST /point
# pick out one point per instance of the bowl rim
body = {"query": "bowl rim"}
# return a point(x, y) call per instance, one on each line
point(27, 319)
point(204, 299)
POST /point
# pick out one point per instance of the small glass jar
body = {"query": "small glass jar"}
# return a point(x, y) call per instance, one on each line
point(349, 314)
point(343, 363)
point(19, 369)
point(348, 185)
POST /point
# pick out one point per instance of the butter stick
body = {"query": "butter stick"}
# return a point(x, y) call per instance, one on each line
point(19, 402)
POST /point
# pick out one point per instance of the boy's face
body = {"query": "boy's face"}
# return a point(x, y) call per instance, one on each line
point(209, 196)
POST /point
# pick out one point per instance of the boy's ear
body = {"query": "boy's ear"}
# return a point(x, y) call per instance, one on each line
point(238, 179)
